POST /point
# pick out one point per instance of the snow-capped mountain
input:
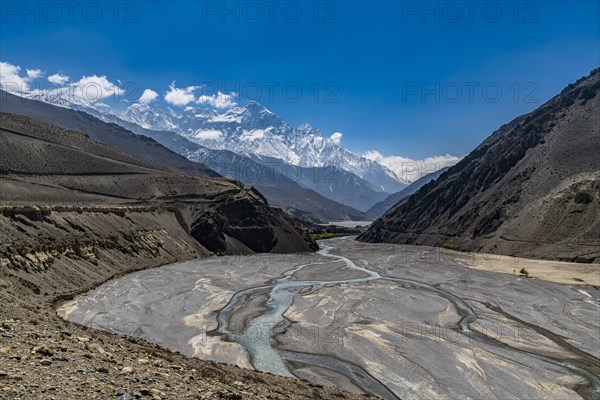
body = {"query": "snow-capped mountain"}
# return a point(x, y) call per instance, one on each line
point(72, 102)
point(253, 129)
point(249, 130)
point(150, 118)
point(331, 182)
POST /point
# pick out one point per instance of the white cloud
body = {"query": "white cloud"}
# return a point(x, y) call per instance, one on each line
point(253, 135)
point(336, 137)
point(34, 73)
point(409, 169)
point(180, 97)
point(208, 134)
point(11, 79)
point(58, 79)
point(93, 88)
point(148, 96)
point(219, 100)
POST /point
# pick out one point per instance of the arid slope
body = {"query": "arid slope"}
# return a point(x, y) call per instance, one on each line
point(138, 146)
point(532, 188)
point(64, 195)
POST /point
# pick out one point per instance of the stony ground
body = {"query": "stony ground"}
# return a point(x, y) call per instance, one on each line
point(529, 338)
point(44, 357)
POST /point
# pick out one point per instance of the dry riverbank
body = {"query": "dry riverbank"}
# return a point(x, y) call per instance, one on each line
point(45, 357)
point(399, 321)
point(53, 254)
point(547, 270)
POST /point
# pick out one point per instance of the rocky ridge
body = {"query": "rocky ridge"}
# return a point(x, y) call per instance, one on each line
point(531, 189)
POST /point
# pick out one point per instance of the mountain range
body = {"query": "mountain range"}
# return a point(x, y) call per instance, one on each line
point(79, 180)
point(255, 130)
point(303, 154)
point(192, 158)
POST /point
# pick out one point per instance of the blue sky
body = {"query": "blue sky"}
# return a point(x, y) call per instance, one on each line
point(391, 76)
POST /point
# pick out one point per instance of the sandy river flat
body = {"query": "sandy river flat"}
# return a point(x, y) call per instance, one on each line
point(399, 321)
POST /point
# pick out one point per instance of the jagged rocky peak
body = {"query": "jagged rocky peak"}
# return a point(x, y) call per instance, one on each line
point(50, 99)
point(255, 115)
point(308, 129)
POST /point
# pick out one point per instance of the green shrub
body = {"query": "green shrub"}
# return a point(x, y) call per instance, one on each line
point(325, 235)
point(524, 272)
point(583, 198)
point(451, 246)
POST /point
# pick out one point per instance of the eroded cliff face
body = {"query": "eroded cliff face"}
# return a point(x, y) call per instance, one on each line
point(55, 251)
point(58, 249)
point(532, 188)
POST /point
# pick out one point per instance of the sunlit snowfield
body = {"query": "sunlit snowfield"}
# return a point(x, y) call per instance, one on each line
point(396, 321)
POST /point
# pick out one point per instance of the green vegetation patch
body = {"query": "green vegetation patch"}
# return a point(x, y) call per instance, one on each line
point(451, 246)
point(325, 235)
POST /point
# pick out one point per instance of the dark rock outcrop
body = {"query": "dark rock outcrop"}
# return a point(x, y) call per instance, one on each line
point(246, 224)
